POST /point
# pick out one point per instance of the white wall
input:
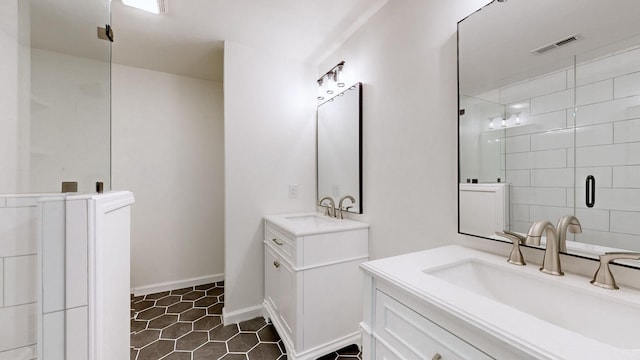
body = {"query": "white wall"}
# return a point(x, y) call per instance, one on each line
point(406, 57)
point(269, 144)
point(167, 134)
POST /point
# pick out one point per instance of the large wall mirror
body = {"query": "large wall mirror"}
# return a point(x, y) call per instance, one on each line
point(549, 119)
point(339, 151)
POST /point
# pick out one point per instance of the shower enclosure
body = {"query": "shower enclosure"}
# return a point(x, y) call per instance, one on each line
point(54, 128)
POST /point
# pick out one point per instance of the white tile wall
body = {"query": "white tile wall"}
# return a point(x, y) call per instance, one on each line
point(53, 256)
point(627, 131)
point(552, 177)
point(53, 342)
point(18, 234)
point(602, 174)
point(537, 160)
point(520, 212)
point(77, 339)
point(592, 219)
point(535, 87)
point(608, 67)
point(609, 111)
point(555, 139)
point(626, 177)
point(519, 177)
point(24, 353)
point(616, 155)
point(539, 196)
point(612, 239)
point(532, 124)
point(18, 326)
point(3, 202)
point(20, 280)
point(76, 251)
point(552, 102)
point(612, 199)
point(594, 93)
point(515, 144)
point(627, 85)
point(594, 135)
point(625, 222)
point(548, 213)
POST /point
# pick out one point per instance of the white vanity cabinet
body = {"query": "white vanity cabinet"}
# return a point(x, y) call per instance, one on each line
point(313, 284)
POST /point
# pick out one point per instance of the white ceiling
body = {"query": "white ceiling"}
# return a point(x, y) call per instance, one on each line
point(188, 39)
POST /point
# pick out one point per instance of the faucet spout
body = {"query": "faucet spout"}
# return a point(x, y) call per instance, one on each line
point(567, 223)
point(551, 260)
point(339, 208)
point(331, 210)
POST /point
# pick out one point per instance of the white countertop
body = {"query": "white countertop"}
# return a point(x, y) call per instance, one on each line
point(523, 330)
point(324, 225)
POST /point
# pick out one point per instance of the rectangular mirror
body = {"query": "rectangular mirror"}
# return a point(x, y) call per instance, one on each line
point(549, 95)
point(339, 148)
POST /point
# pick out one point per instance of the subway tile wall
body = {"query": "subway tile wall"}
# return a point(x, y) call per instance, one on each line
point(36, 281)
point(18, 277)
point(542, 152)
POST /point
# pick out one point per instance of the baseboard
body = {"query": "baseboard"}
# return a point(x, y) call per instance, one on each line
point(234, 317)
point(179, 284)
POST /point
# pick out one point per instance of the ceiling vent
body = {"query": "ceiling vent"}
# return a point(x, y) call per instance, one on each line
point(568, 40)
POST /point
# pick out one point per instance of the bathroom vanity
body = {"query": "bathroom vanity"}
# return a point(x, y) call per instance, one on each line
point(313, 284)
point(459, 303)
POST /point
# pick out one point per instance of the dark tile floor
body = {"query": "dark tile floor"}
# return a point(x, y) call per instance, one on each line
point(186, 324)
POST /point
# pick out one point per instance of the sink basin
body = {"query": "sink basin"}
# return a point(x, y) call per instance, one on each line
point(573, 305)
point(311, 220)
point(313, 223)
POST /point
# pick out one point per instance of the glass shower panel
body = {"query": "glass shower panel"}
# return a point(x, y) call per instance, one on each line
point(54, 126)
point(607, 153)
point(482, 137)
point(70, 95)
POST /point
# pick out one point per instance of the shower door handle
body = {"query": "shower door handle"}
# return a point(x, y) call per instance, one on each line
point(590, 186)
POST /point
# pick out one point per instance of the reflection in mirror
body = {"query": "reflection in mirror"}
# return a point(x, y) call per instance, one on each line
point(552, 90)
point(339, 122)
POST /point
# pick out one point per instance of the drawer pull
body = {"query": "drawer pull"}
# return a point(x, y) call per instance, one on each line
point(436, 357)
point(277, 241)
point(276, 263)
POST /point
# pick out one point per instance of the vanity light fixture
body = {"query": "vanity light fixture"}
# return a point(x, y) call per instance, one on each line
point(330, 82)
point(152, 6)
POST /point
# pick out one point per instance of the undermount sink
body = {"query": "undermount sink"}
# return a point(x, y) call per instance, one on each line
point(576, 306)
point(300, 224)
point(548, 317)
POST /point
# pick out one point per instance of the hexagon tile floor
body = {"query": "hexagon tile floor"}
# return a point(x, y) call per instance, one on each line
point(186, 324)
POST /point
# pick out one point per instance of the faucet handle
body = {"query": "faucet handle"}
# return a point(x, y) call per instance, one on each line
point(603, 277)
point(515, 257)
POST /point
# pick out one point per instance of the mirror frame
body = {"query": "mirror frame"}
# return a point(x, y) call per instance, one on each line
point(359, 87)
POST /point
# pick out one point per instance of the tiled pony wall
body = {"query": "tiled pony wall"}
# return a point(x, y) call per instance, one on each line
point(544, 149)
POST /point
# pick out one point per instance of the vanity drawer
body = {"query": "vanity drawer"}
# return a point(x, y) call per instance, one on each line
point(412, 336)
point(284, 244)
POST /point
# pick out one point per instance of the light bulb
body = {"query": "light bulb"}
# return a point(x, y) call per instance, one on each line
point(504, 122)
point(490, 123)
point(518, 119)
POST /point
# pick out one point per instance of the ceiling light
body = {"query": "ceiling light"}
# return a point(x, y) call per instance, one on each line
point(152, 6)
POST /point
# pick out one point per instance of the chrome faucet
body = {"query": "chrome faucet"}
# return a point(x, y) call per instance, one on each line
point(551, 259)
point(353, 201)
point(567, 223)
point(515, 257)
point(331, 211)
point(603, 277)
